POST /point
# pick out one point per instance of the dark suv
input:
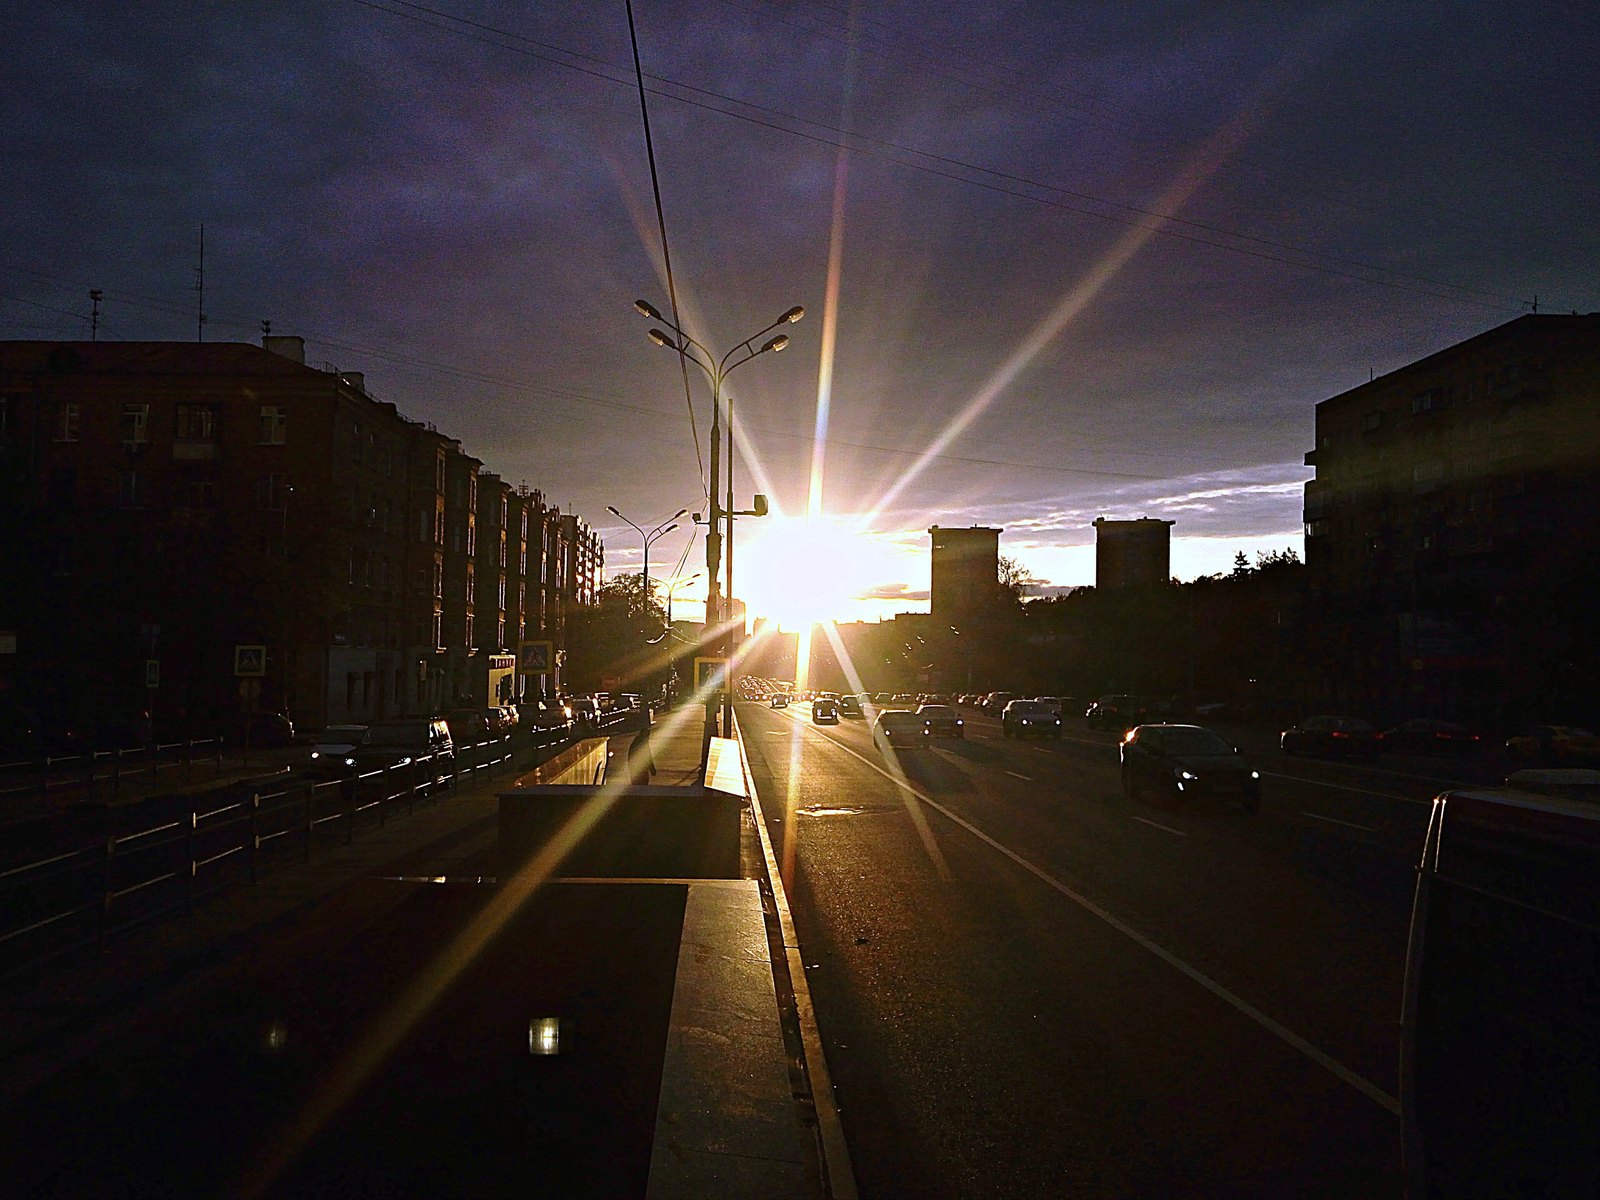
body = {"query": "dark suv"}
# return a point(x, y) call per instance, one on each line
point(406, 740)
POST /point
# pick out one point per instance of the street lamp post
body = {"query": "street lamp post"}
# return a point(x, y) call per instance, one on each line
point(660, 531)
point(716, 371)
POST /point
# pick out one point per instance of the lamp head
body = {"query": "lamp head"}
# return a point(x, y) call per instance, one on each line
point(662, 339)
point(646, 309)
point(777, 343)
point(612, 509)
point(793, 315)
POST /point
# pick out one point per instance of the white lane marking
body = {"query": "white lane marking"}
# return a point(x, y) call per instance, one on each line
point(1284, 1034)
point(1158, 825)
point(1024, 778)
point(1336, 821)
point(1345, 787)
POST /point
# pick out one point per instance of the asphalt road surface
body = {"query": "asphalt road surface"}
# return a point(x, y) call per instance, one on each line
point(1031, 986)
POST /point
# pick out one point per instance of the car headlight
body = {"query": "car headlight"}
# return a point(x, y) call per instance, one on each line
point(315, 754)
point(1255, 774)
point(349, 762)
point(1189, 775)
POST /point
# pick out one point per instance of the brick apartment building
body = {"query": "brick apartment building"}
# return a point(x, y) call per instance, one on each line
point(1452, 534)
point(163, 503)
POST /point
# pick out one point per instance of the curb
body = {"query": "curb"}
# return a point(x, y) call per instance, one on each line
point(838, 1177)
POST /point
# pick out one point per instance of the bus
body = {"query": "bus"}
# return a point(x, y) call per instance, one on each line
point(1500, 1018)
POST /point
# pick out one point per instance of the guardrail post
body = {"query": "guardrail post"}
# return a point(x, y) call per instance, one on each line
point(116, 773)
point(194, 824)
point(311, 818)
point(188, 760)
point(105, 893)
point(255, 833)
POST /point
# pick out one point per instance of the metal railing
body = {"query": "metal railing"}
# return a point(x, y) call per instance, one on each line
point(193, 846)
point(35, 785)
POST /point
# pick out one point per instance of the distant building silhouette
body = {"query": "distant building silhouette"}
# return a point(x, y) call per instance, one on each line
point(965, 571)
point(1132, 553)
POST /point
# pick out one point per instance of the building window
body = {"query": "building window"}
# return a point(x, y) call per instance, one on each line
point(274, 425)
point(135, 429)
point(438, 629)
point(198, 493)
point(196, 423)
point(67, 423)
point(1428, 401)
point(1372, 422)
point(469, 629)
point(131, 488)
point(438, 580)
point(272, 493)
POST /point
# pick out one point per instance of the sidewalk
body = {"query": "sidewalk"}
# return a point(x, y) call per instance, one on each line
point(664, 1000)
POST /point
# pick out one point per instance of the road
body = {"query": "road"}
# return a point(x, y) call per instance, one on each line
point(1029, 986)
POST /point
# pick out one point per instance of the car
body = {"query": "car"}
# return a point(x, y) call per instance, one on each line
point(406, 740)
point(585, 712)
point(1030, 718)
point(850, 706)
point(1572, 783)
point(825, 711)
point(1117, 711)
point(1331, 737)
point(1555, 745)
point(1426, 736)
point(467, 725)
point(545, 715)
point(941, 720)
point(1183, 761)
point(899, 728)
point(995, 702)
point(779, 700)
point(332, 754)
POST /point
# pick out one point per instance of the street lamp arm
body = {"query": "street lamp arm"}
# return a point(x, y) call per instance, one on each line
point(788, 318)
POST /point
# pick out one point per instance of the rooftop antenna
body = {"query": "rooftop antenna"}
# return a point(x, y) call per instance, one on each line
point(94, 314)
point(266, 330)
point(1536, 302)
point(200, 289)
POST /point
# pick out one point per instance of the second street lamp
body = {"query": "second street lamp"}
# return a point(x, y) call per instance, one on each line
point(717, 370)
point(660, 531)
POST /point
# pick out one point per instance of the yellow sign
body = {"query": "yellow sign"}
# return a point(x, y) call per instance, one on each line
point(535, 658)
point(710, 674)
point(250, 662)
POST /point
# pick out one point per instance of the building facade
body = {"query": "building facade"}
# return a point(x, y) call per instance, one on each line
point(1132, 553)
point(163, 504)
point(964, 571)
point(1451, 531)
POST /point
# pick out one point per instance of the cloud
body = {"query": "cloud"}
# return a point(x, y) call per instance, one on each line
point(894, 591)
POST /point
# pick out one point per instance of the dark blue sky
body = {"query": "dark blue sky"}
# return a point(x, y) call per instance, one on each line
point(463, 211)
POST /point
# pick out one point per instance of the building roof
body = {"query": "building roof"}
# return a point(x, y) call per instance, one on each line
point(146, 358)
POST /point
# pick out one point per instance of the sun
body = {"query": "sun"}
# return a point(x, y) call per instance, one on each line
point(800, 571)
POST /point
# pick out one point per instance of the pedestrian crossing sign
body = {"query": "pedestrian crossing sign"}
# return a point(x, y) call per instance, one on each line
point(534, 658)
point(710, 675)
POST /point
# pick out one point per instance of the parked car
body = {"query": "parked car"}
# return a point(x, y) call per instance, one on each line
point(333, 753)
point(899, 728)
point(1030, 718)
point(1331, 737)
point(941, 720)
point(1182, 761)
point(407, 740)
point(1118, 712)
point(1426, 736)
point(1573, 783)
point(1555, 745)
point(825, 711)
point(467, 725)
point(545, 715)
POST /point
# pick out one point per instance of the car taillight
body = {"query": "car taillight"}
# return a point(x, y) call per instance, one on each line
point(1340, 733)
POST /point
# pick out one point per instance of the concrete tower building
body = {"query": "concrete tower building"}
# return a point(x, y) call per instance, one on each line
point(1132, 553)
point(965, 570)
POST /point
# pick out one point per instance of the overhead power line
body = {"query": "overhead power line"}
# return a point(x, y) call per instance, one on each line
point(949, 168)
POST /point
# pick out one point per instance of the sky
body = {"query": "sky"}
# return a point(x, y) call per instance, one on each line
point(1058, 260)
